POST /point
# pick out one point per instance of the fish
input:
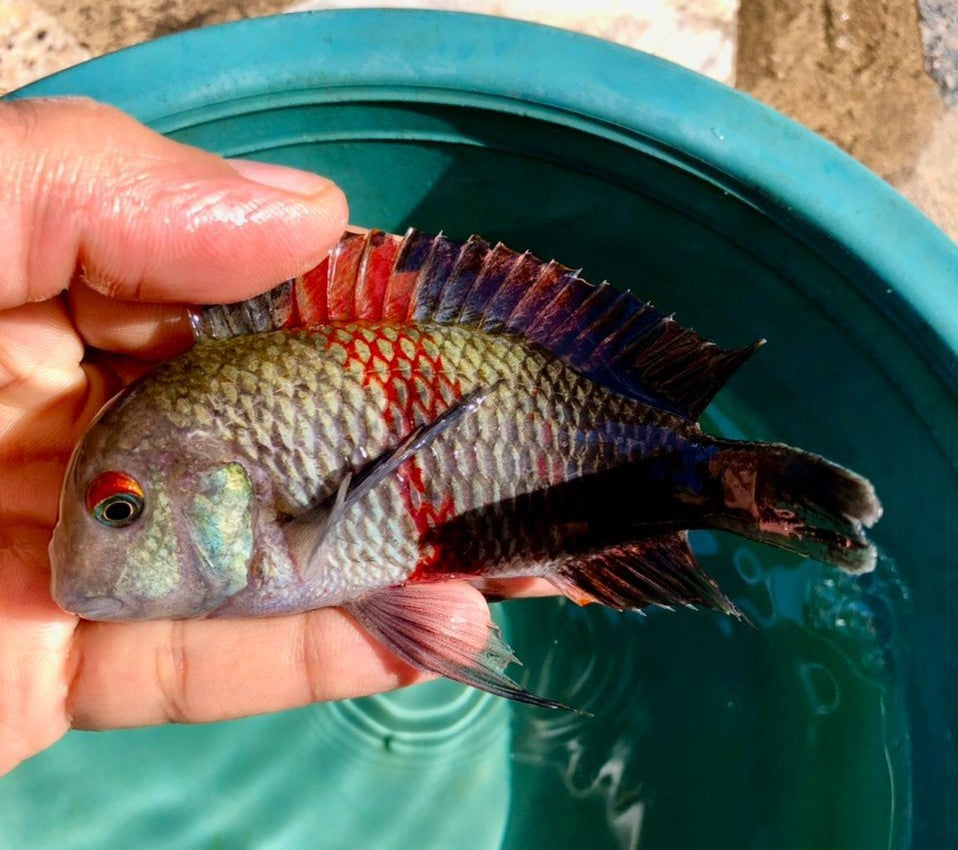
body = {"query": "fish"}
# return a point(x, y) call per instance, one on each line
point(416, 410)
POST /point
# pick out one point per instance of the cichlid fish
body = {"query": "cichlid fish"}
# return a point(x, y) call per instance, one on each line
point(414, 410)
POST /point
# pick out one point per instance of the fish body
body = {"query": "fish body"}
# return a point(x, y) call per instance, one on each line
point(415, 411)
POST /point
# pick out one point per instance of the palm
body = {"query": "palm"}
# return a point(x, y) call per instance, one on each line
point(47, 397)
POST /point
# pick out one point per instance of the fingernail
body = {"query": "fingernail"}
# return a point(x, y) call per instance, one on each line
point(280, 177)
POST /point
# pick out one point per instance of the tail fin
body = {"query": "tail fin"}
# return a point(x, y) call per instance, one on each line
point(795, 501)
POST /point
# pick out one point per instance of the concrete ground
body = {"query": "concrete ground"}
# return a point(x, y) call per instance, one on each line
point(877, 77)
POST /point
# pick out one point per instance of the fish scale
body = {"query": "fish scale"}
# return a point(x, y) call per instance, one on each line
point(413, 410)
point(335, 369)
point(520, 430)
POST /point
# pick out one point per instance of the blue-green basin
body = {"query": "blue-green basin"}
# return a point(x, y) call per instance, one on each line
point(830, 725)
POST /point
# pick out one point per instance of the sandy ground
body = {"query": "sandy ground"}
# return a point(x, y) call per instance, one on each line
point(877, 77)
point(939, 33)
point(33, 44)
point(857, 72)
point(849, 69)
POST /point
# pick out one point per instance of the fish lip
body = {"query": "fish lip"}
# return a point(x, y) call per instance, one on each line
point(94, 607)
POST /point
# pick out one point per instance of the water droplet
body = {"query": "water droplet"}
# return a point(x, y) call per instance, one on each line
point(718, 134)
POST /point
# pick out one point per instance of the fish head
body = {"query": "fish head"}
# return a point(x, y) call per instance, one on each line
point(153, 524)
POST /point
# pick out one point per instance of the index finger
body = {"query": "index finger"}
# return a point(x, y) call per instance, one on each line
point(146, 218)
point(135, 328)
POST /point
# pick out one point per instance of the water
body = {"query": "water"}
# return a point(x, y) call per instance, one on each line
point(789, 733)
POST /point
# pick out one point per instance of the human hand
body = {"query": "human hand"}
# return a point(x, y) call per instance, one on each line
point(105, 228)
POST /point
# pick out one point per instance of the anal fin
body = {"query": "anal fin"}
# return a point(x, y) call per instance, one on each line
point(433, 627)
point(656, 571)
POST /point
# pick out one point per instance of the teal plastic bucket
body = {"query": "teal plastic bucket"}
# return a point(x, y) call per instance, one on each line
point(830, 725)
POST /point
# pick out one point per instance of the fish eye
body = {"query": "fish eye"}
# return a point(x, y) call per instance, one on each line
point(117, 511)
point(114, 499)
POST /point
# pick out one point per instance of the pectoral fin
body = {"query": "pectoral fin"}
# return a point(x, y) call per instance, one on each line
point(308, 531)
point(424, 624)
point(220, 524)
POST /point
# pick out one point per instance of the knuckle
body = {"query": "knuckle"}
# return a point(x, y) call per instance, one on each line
point(19, 122)
point(308, 662)
point(172, 675)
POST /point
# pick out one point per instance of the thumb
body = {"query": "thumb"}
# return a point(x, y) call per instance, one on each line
point(82, 184)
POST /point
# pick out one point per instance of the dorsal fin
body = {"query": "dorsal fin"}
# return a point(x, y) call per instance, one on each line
point(605, 333)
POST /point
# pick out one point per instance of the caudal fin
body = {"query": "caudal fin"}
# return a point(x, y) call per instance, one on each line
point(796, 501)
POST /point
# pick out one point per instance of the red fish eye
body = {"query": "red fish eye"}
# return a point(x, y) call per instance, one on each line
point(114, 499)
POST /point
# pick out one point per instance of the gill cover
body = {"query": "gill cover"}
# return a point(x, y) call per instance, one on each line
point(219, 518)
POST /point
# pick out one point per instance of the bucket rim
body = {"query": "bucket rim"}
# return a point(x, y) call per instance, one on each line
point(886, 247)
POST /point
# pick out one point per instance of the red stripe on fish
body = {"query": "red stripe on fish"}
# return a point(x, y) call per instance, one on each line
point(396, 301)
point(412, 258)
point(311, 297)
point(373, 279)
point(344, 266)
point(406, 365)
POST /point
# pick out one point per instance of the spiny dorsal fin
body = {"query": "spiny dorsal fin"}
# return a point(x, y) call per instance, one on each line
point(605, 333)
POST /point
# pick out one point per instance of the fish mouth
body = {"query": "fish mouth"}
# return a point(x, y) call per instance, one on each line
point(93, 607)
